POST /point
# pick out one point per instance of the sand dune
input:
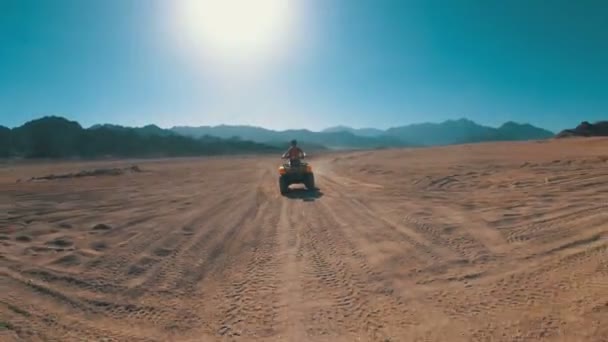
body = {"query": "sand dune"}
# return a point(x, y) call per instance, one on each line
point(488, 242)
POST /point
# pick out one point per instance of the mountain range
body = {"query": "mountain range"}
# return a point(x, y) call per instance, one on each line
point(426, 134)
point(331, 140)
point(56, 137)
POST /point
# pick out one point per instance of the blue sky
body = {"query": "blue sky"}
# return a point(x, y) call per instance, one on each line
point(377, 63)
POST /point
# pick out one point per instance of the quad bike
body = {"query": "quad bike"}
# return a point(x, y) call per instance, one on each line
point(295, 172)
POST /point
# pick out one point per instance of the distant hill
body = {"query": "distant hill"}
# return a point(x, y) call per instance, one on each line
point(48, 137)
point(338, 137)
point(56, 137)
point(333, 140)
point(5, 138)
point(586, 129)
point(466, 131)
point(515, 131)
point(446, 133)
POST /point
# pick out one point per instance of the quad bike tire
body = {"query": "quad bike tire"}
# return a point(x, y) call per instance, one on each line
point(309, 181)
point(283, 186)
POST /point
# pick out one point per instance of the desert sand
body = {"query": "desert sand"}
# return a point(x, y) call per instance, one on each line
point(486, 242)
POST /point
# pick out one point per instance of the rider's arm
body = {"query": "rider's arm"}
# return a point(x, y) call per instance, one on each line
point(286, 154)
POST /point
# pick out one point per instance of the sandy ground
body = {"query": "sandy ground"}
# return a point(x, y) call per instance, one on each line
point(490, 242)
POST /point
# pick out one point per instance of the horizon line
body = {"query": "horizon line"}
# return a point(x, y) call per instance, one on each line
point(280, 130)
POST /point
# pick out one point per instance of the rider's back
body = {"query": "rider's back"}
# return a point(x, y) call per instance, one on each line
point(294, 153)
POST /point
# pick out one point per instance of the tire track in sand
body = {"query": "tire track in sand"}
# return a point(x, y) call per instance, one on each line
point(247, 277)
point(343, 296)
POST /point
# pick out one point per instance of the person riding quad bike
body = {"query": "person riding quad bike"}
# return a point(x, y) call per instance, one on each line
point(296, 171)
point(294, 154)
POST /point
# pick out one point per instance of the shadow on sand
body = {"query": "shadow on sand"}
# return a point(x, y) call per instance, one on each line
point(303, 194)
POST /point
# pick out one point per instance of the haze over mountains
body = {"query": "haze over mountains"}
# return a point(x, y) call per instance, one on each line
point(426, 134)
point(364, 132)
point(331, 140)
point(56, 137)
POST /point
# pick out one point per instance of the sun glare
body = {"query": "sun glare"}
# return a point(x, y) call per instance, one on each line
point(237, 30)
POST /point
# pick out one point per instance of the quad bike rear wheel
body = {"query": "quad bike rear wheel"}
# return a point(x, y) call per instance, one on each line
point(309, 181)
point(283, 186)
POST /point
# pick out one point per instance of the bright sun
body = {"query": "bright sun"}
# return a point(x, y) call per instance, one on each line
point(242, 30)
